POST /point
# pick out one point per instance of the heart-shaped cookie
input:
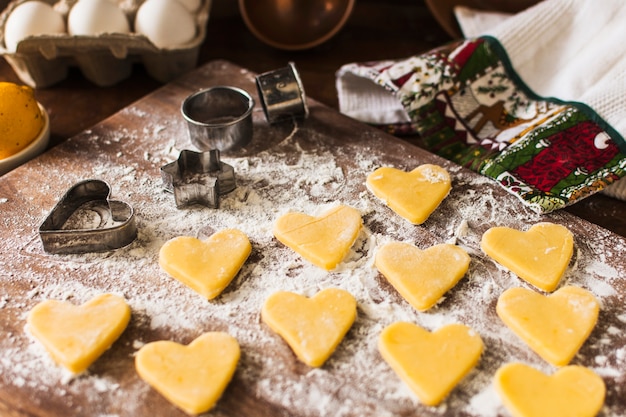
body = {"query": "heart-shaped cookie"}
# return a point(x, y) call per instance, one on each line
point(75, 336)
point(312, 327)
point(422, 277)
point(206, 266)
point(430, 363)
point(324, 240)
point(191, 377)
point(412, 195)
point(553, 326)
point(539, 255)
point(113, 228)
point(570, 391)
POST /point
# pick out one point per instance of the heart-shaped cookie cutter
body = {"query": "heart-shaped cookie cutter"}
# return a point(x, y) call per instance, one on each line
point(116, 221)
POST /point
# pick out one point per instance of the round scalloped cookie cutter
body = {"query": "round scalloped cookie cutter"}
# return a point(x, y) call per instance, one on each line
point(282, 94)
point(219, 118)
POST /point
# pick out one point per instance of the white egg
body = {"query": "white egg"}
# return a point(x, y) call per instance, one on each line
point(166, 23)
point(94, 17)
point(191, 5)
point(29, 19)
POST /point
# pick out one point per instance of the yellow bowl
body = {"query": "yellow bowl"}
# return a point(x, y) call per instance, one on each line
point(37, 146)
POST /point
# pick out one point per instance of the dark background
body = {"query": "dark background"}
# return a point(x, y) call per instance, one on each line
point(376, 30)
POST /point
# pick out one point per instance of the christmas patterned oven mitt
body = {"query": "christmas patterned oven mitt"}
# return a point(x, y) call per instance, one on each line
point(538, 103)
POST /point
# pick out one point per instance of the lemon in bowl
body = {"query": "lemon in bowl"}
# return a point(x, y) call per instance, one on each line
point(24, 126)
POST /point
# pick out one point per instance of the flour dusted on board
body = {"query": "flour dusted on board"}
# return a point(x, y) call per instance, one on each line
point(268, 185)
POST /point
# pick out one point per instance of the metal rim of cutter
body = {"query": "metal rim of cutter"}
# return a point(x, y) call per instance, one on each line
point(57, 240)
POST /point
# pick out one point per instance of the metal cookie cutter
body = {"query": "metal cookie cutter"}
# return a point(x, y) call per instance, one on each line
point(86, 220)
point(198, 177)
point(282, 94)
point(219, 118)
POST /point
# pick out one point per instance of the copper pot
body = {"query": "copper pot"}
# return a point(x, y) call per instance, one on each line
point(295, 24)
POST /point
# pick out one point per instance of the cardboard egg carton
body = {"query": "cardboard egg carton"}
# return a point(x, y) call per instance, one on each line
point(44, 60)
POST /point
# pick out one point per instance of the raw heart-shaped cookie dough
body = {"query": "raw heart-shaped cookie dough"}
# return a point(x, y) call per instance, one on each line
point(571, 391)
point(206, 266)
point(422, 277)
point(553, 326)
point(323, 240)
point(75, 336)
point(412, 195)
point(312, 327)
point(191, 377)
point(539, 255)
point(430, 363)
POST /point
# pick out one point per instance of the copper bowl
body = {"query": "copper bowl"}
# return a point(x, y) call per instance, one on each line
point(295, 24)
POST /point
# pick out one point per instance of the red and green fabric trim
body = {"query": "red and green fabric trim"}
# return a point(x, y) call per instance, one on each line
point(468, 105)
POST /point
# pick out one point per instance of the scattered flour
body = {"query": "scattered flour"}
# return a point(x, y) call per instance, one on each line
point(355, 381)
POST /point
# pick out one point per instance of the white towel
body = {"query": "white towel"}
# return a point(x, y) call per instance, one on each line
point(569, 50)
point(477, 22)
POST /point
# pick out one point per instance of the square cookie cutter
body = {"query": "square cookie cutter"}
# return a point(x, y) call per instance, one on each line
point(86, 220)
point(198, 177)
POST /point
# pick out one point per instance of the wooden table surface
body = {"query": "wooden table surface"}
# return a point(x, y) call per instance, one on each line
point(376, 30)
point(287, 167)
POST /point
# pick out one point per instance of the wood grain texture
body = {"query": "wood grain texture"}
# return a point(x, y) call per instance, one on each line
point(376, 30)
point(121, 150)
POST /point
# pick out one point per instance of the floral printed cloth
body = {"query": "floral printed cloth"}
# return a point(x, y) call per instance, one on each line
point(469, 104)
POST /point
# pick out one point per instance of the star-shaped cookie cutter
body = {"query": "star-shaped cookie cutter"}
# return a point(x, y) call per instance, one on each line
point(198, 178)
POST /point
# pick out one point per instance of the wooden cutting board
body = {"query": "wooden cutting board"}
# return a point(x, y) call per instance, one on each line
point(305, 166)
